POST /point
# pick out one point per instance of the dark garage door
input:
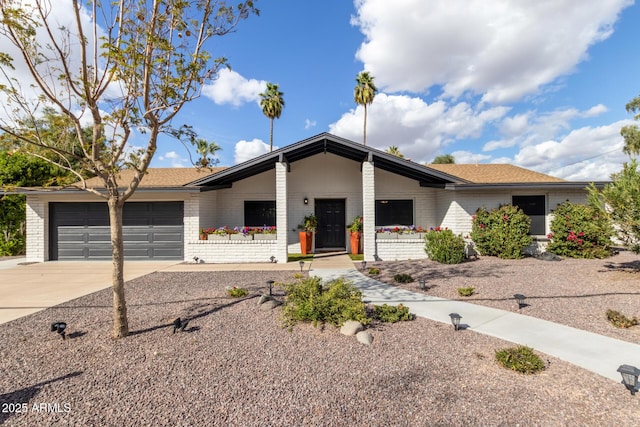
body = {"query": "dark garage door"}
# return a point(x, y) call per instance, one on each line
point(152, 230)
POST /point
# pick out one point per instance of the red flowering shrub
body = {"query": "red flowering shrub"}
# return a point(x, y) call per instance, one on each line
point(580, 231)
point(501, 232)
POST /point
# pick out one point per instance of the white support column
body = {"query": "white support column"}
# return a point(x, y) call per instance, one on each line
point(37, 230)
point(282, 226)
point(369, 211)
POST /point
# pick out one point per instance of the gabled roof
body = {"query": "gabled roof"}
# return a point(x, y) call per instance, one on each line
point(494, 173)
point(328, 143)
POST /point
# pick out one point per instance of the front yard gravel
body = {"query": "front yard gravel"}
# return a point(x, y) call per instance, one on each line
point(235, 365)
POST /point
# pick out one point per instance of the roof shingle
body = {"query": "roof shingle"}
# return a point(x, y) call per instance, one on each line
point(159, 177)
point(494, 173)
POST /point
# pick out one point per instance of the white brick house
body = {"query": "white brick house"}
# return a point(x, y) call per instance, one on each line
point(333, 178)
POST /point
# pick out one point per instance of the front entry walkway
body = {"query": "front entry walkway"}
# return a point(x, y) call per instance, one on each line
point(596, 353)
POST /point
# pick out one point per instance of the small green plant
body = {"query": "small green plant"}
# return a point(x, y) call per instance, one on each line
point(501, 232)
point(374, 270)
point(236, 292)
point(403, 278)
point(619, 320)
point(442, 246)
point(298, 275)
point(520, 359)
point(466, 292)
point(391, 313)
point(335, 302)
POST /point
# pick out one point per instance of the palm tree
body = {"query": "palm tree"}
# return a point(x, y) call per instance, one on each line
point(395, 151)
point(363, 94)
point(272, 105)
point(205, 149)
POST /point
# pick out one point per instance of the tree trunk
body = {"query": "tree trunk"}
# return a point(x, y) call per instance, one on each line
point(365, 125)
point(271, 137)
point(120, 322)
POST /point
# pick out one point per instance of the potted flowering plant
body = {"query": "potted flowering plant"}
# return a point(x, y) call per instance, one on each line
point(264, 233)
point(356, 234)
point(241, 233)
point(217, 233)
point(308, 226)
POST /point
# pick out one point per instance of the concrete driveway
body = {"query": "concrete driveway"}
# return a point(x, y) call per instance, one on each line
point(26, 289)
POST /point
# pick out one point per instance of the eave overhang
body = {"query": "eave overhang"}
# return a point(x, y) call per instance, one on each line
point(75, 190)
point(322, 144)
point(567, 185)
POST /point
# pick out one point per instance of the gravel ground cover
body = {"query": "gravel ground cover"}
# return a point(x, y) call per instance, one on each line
point(235, 365)
point(574, 292)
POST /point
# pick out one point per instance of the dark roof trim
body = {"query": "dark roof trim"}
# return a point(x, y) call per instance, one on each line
point(74, 190)
point(328, 143)
point(569, 185)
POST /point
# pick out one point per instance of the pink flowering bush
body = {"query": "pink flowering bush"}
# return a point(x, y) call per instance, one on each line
point(501, 232)
point(580, 231)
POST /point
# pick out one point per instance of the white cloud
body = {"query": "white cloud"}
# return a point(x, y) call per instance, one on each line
point(231, 88)
point(247, 150)
point(308, 124)
point(176, 160)
point(587, 153)
point(533, 127)
point(503, 50)
point(418, 129)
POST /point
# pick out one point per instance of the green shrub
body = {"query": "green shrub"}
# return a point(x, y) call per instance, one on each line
point(374, 271)
point(520, 359)
point(336, 302)
point(619, 320)
point(580, 231)
point(466, 292)
point(442, 246)
point(501, 232)
point(236, 292)
point(391, 313)
point(403, 278)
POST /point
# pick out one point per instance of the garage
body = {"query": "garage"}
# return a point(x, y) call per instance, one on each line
point(151, 231)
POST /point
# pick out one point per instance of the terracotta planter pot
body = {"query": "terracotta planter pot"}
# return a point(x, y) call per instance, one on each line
point(306, 239)
point(203, 236)
point(355, 242)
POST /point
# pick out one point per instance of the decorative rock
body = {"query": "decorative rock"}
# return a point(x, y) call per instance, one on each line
point(263, 299)
point(548, 256)
point(270, 305)
point(351, 327)
point(364, 337)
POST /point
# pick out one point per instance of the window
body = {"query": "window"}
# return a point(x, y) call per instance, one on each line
point(534, 207)
point(260, 213)
point(394, 212)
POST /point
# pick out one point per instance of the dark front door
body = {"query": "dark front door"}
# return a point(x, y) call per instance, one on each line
point(331, 224)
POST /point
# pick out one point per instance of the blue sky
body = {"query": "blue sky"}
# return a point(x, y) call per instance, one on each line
point(542, 85)
point(539, 84)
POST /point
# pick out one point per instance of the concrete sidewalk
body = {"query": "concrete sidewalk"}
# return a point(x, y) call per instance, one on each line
point(596, 353)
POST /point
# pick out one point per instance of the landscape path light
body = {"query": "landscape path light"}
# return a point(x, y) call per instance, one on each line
point(422, 284)
point(59, 327)
point(520, 300)
point(455, 320)
point(270, 284)
point(364, 265)
point(301, 266)
point(630, 376)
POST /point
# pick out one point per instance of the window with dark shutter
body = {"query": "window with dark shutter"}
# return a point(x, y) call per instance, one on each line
point(394, 212)
point(260, 213)
point(534, 207)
